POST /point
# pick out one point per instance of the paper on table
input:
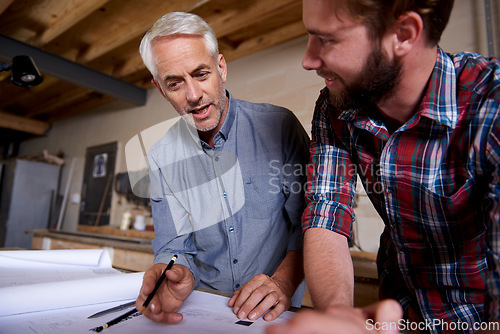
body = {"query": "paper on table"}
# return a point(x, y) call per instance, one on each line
point(33, 267)
point(33, 281)
point(63, 306)
point(64, 294)
point(204, 313)
point(81, 257)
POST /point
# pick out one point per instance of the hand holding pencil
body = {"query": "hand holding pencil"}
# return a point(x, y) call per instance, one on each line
point(176, 287)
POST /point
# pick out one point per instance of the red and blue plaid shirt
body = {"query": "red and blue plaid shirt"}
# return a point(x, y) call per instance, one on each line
point(435, 182)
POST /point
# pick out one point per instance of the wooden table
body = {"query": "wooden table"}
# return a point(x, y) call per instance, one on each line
point(127, 253)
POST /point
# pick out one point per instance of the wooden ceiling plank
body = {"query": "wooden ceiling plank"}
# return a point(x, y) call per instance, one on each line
point(55, 102)
point(226, 44)
point(86, 103)
point(24, 99)
point(140, 78)
point(282, 18)
point(13, 15)
point(258, 11)
point(65, 17)
point(132, 65)
point(197, 5)
point(4, 4)
point(24, 124)
point(142, 13)
point(259, 43)
point(230, 21)
point(39, 15)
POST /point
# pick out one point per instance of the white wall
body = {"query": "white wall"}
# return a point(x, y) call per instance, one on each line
point(274, 76)
point(467, 27)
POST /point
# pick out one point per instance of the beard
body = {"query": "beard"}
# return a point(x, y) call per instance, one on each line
point(375, 82)
point(219, 105)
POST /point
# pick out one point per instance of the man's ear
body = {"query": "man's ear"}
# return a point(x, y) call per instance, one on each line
point(408, 31)
point(222, 67)
point(159, 88)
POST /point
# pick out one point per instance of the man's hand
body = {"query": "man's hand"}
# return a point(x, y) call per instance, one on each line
point(177, 286)
point(262, 293)
point(342, 319)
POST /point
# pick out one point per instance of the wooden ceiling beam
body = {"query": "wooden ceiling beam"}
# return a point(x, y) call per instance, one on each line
point(60, 100)
point(232, 20)
point(22, 100)
point(15, 13)
point(62, 15)
point(226, 24)
point(4, 4)
point(46, 19)
point(226, 44)
point(85, 103)
point(259, 43)
point(132, 65)
point(24, 124)
point(118, 32)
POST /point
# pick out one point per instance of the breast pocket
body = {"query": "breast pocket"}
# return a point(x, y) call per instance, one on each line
point(263, 196)
point(441, 221)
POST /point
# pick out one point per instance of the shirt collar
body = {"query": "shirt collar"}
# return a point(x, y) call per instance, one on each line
point(440, 100)
point(230, 116)
point(223, 132)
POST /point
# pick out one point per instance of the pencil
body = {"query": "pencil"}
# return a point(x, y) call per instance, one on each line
point(111, 310)
point(144, 305)
point(114, 321)
point(158, 283)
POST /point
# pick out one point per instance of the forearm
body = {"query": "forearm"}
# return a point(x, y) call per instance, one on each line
point(328, 268)
point(290, 272)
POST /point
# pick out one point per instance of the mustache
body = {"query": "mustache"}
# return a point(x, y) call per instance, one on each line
point(198, 105)
point(328, 74)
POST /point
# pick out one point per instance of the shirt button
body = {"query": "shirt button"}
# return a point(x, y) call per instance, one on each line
point(231, 229)
point(224, 195)
point(237, 286)
point(388, 190)
point(216, 158)
point(235, 261)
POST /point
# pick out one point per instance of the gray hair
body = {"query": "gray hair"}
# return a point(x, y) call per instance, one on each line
point(177, 23)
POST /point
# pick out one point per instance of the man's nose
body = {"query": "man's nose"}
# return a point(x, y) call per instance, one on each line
point(193, 91)
point(311, 60)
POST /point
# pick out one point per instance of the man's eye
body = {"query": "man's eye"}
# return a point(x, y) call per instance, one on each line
point(172, 85)
point(202, 75)
point(325, 41)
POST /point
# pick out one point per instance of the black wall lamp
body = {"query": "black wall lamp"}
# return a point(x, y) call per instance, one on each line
point(23, 71)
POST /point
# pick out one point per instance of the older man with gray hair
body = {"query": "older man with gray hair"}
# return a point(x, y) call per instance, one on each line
point(226, 183)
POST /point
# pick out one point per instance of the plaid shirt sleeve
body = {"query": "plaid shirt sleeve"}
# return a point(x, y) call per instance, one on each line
point(331, 176)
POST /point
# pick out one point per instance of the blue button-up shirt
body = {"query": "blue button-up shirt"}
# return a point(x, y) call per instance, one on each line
point(231, 211)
